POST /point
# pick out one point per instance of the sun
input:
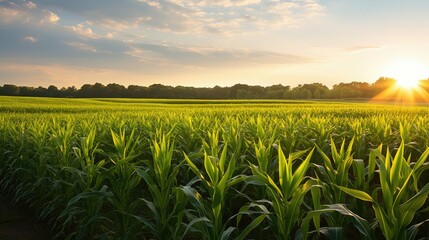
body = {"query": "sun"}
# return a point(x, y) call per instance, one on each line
point(407, 73)
point(407, 83)
point(407, 90)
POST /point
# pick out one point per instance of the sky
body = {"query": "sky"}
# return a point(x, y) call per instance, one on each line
point(204, 43)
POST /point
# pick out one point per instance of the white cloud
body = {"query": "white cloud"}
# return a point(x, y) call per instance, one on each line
point(51, 17)
point(8, 15)
point(109, 35)
point(237, 16)
point(27, 12)
point(82, 46)
point(119, 25)
point(151, 3)
point(82, 30)
point(196, 16)
point(208, 56)
point(356, 49)
point(31, 39)
point(223, 3)
point(30, 5)
point(87, 32)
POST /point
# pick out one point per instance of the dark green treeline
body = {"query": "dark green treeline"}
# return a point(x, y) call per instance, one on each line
point(238, 91)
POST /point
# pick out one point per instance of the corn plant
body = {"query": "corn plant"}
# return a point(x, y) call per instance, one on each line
point(84, 210)
point(400, 193)
point(263, 156)
point(123, 180)
point(188, 138)
point(110, 169)
point(320, 132)
point(167, 203)
point(217, 178)
point(359, 130)
point(336, 170)
point(234, 136)
point(287, 195)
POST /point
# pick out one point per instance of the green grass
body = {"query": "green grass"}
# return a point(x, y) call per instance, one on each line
point(203, 169)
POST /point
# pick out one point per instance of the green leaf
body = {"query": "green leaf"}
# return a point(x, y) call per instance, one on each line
point(326, 160)
point(361, 224)
point(227, 233)
point(385, 184)
point(359, 172)
point(409, 208)
point(250, 227)
point(356, 193)
point(334, 233)
point(315, 196)
point(211, 168)
point(383, 220)
point(396, 169)
point(413, 230)
point(282, 169)
point(193, 166)
point(193, 222)
point(90, 194)
point(300, 172)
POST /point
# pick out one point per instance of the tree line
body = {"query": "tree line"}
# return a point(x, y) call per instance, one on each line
point(238, 91)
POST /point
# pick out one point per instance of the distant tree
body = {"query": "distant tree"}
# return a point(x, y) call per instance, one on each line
point(317, 90)
point(135, 91)
point(350, 90)
point(10, 90)
point(219, 93)
point(381, 84)
point(255, 92)
point(115, 90)
point(69, 92)
point(160, 91)
point(309, 91)
point(99, 90)
point(301, 92)
point(85, 91)
point(52, 91)
point(40, 92)
point(276, 91)
point(26, 91)
point(238, 91)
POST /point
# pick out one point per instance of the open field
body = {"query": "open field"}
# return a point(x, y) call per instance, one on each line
point(136, 169)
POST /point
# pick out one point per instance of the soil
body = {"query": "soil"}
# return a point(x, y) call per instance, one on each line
point(18, 223)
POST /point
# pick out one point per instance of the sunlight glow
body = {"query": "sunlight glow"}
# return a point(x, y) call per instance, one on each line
point(407, 90)
point(407, 73)
point(407, 83)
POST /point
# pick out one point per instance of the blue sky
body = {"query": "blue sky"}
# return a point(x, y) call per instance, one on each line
point(208, 43)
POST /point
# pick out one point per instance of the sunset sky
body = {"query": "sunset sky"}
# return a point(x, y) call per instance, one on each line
point(208, 43)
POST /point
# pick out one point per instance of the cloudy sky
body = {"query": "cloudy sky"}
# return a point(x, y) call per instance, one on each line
point(208, 43)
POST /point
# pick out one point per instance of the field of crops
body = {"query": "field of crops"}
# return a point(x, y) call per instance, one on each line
point(158, 169)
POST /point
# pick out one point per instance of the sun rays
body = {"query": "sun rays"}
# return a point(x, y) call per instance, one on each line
point(407, 88)
point(404, 93)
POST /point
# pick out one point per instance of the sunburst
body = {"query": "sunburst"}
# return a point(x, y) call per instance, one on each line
point(408, 74)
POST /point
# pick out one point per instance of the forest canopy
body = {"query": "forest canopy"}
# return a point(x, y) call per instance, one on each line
point(239, 91)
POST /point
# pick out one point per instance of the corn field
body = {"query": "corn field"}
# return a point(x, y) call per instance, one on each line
point(157, 169)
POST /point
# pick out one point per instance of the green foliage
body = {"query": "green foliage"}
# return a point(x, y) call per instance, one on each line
point(158, 169)
point(400, 200)
point(287, 195)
